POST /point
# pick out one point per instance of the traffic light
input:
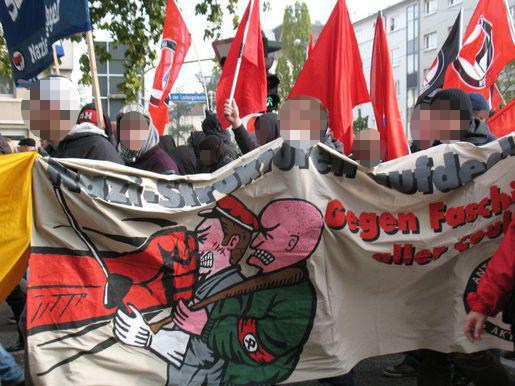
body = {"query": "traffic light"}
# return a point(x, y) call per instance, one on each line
point(272, 92)
point(272, 81)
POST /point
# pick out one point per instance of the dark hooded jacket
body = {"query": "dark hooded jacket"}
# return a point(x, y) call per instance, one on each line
point(156, 160)
point(211, 126)
point(478, 133)
point(167, 143)
point(185, 158)
point(248, 142)
point(218, 152)
point(86, 141)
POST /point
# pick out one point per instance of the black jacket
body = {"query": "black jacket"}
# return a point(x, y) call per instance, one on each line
point(478, 133)
point(87, 141)
point(156, 160)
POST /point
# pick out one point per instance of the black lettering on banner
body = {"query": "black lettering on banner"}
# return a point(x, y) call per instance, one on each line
point(171, 196)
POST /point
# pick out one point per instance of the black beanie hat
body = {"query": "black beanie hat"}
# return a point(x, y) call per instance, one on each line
point(459, 100)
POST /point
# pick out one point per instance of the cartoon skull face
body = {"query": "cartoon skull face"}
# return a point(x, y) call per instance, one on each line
point(291, 231)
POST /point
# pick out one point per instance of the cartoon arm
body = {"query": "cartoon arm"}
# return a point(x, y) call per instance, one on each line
point(133, 330)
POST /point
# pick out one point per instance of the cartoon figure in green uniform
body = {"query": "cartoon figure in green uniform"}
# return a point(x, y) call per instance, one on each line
point(261, 334)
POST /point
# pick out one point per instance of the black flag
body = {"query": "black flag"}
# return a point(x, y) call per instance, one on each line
point(435, 77)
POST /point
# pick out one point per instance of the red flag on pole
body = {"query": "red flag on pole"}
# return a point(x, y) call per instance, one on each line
point(488, 45)
point(384, 98)
point(334, 74)
point(503, 121)
point(250, 92)
point(174, 47)
point(311, 46)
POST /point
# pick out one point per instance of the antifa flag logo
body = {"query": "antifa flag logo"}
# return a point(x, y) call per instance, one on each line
point(18, 61)
point(479, 48)
point(435, 71)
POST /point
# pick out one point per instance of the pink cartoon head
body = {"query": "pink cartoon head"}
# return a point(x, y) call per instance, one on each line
point(290, 233)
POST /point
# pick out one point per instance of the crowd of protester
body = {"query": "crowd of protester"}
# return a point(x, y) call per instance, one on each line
point(451, 115)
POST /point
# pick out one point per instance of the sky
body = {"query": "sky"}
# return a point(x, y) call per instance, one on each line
point(320, 10)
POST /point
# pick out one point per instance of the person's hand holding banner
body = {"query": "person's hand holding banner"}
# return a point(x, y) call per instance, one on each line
point(475, 325)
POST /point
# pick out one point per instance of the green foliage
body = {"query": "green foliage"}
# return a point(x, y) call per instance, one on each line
point(295, 39)
point(179, 131)
point(506, 82)
point(138, 24)
point(360, 123)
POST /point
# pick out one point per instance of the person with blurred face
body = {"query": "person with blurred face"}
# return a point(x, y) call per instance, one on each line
point(446, 118)
point(303, 122)
point(51, 107)
point(139, 142)
point(480, 106)
point(366, 148)
point(51, 111)
point(213, 154)
point(27, 145)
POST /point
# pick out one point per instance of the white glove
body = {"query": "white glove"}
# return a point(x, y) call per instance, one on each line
point(132, 330)
point(171, 345)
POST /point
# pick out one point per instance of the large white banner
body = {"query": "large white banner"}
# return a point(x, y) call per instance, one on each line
point(286, 265)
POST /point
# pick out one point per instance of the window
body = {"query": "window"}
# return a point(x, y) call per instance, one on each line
point(6, 86)
point(398, 87)
point(430, 41)
point(392, 24)
point(394, 53)
point(360, 36)
point(430, 6)
point(454, 2)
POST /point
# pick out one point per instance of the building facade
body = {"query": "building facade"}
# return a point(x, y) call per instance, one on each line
point(415, 31)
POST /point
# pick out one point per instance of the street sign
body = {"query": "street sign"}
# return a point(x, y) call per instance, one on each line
point(190, 98)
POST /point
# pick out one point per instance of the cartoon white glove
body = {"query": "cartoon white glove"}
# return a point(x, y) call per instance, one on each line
point(171, 345)
point(132, 330)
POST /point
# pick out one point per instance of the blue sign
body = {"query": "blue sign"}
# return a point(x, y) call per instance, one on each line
point(32, 26)
point(190, 98)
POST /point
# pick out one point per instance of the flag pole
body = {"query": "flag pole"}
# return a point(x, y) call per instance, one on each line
point(240, 57)
point(462, 15)
point(94, 78)
point(56, 61)
point(198, 60)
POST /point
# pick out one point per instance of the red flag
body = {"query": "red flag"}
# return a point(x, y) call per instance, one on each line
point(384, 98)
point(174, 47)
point(251, 91)
point(488, 45)
point(334, 74)
point(503, 121)
point(311, 46)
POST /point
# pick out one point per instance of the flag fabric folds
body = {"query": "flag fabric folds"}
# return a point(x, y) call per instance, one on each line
point(503, 121)
point(435, 77)
point(488, 45)
point(333, 74)
point(175, 44)
point(32, 26)
point(384, 98)
point(251, 87)
point(16, 215)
